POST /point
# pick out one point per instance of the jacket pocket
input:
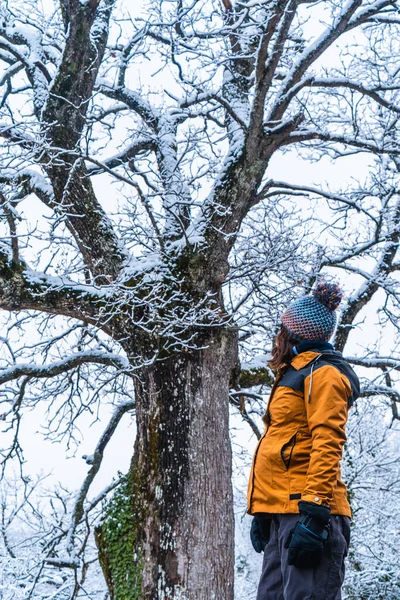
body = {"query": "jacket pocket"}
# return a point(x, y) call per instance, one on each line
point(287, 451)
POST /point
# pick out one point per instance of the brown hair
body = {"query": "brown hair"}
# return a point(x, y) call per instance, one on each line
point(282, 352)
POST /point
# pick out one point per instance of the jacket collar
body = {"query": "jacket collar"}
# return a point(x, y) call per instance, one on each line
point(307, 351)
point(303, 359)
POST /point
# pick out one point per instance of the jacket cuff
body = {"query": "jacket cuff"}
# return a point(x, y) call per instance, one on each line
point(315, 499)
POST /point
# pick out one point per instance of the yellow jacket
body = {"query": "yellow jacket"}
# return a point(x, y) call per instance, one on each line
point(298, 456)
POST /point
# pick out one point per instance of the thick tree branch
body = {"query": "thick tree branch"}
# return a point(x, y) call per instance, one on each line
point(10, 216)
point(31, 182)
point(8, 73)
point(236, 192)
point(65, 116)
point(13, 133)
point(383, 20)
point(27, 50)
point(177, 197)
point(268, 58)
point(237, 76)
point(254, 377)
point(371, 13)
point(22, 289)
point(384, 390)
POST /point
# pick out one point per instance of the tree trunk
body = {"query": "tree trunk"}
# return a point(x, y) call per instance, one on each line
point(180, 481)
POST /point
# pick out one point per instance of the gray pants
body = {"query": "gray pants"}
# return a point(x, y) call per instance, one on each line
point(279, 581)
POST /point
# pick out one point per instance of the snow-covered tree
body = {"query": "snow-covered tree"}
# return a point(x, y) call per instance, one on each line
point(147, 235)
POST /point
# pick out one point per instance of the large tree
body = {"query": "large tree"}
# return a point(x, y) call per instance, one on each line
point(197, 246)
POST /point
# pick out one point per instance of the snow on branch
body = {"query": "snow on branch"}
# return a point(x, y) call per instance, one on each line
point(275, 32)
point(31, 181)
point(62, 366)
point(371, 389)
point(23, 44)
point(374, 13)
point(137, 148)
point(375, 362)
point(134, 100)
point(24, 289)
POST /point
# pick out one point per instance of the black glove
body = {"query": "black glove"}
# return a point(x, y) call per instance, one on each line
point(259, 532)
point(306, 540)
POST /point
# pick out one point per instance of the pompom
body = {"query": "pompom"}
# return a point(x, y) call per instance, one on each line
point(329, 294)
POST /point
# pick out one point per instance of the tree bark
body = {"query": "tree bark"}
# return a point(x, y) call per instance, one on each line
point(182, 510)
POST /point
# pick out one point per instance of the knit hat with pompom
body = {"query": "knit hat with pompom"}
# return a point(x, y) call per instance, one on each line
point(313, 317)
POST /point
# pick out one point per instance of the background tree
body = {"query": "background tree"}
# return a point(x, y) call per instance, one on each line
point(164, 237)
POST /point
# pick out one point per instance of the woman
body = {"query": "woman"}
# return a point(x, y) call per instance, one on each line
point(296, 495)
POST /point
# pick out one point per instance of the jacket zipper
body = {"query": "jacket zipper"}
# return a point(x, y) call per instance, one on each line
point(314, 362)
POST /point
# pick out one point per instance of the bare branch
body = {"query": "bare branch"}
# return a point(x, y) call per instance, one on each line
point(95, 461)
point(274, 187)
point(371, 92)
point(237, 399)
point(293, 81)
point(363, 144)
